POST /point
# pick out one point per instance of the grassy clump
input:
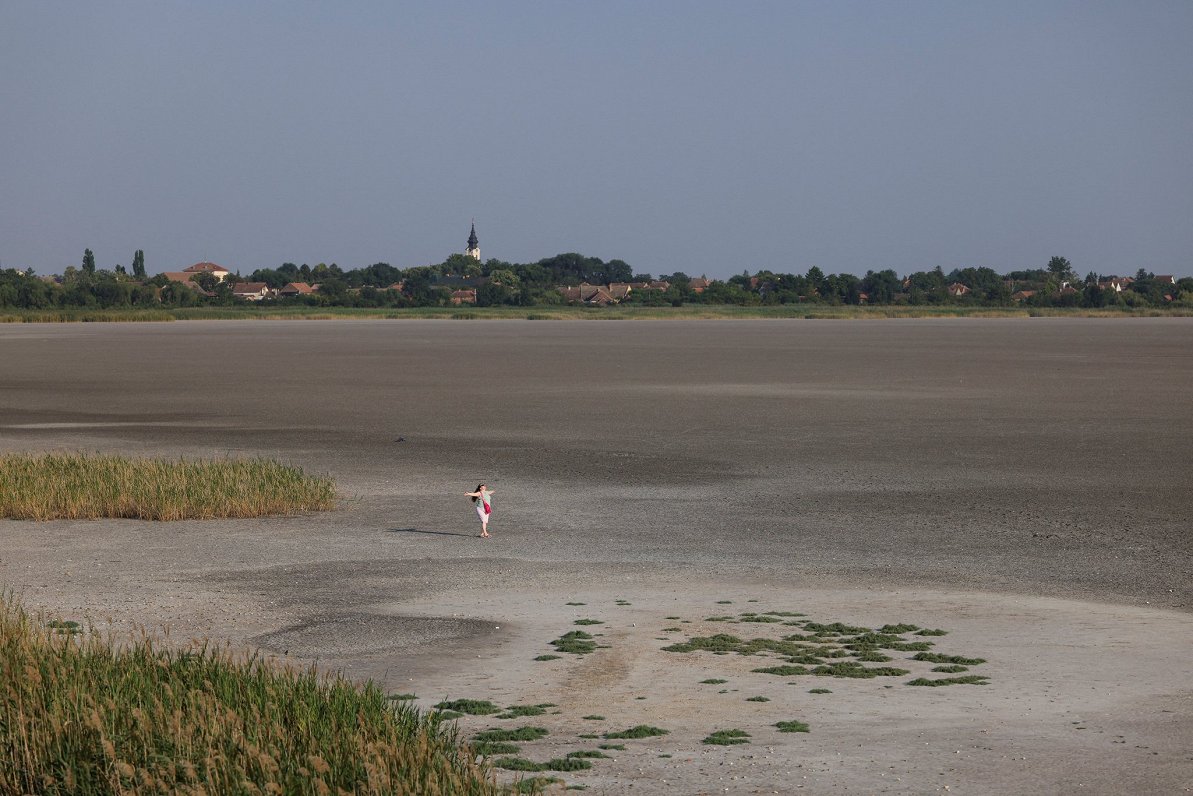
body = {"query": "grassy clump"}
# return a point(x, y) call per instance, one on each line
point(401, 697)
point(491, 748)
point(518, 711)
point(936, 632)
point(86, 486)
point(588, 622)
point(727, 738)
point(758, 699)
point(856, 670)
point(473, 707)
point(951, 668)
point(933, 657)
point(640, 731)
point(558, 764)
point(819, 691)
point(593, 717)
point(82, 714)
point(592, 753)
point(782, 671)
point(792, 726)
point(968, 679)
point(519, 735)
point(577, 642)
point(65, 626)
point(713, 681)
point(547, 658)
point(538, 784)
point(613, 747)
point(575, 603)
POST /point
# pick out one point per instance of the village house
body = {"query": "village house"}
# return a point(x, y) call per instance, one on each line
point(251, 291)
point(295, 289)
point(459, 297)
point(956, 290)
point(1164, 279)
point(698, 284)
point(1022, 295)
point(218, 271)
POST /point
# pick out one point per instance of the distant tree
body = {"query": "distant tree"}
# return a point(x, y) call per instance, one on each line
point(207, 280)
point(120, 269)
point(139, 264)
point(88, 262)
point(815, 279)
point(1061, 270)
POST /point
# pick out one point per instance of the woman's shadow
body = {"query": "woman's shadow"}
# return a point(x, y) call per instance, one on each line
point(432, 533)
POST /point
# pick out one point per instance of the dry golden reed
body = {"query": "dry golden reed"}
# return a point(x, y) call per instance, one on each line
point(89, 486)
point(81, 714)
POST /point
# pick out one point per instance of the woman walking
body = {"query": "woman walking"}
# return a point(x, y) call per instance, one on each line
point(482, 497)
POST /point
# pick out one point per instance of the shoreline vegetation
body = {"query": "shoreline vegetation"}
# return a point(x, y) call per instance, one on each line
point(92, 486)
point(577, 313)
point(86, 714)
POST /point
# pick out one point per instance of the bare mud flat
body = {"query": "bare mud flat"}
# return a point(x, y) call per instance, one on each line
point(1023, 484)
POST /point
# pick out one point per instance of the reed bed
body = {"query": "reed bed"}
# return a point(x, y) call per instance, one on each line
point(91, 486)
point(80, 714)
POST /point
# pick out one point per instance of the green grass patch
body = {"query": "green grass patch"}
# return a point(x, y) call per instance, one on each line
point(575, 603)
point(724, 602)
point(727, 738)
point(64, 627)
point(57, 486)
point(968, 679)
point(936, 632)
point(445, 715)
point(872, 656)
point(492, 748)
point(713, 681)
point(761, 619)
point(89, 714)
point(857, 671)
point(639, 731)
point(758, 699)
point(517, 764)
point(792, 726)
point(568, 763)
point(612, 747)
point(672, 629)
point(835, 629)
point(520, 735)
point(623, 602)
point(519, 711)
point(898, 629)
point(547, 658)
point(673, 618)
point(819, 691)
point(933, 657)
point(577, 642)
point(473, 707)
point(787, 670)
point(401, 697)
point(588, 622)
point(594, 717)
point(589, 753)
point(588, 736)
point(950, 668)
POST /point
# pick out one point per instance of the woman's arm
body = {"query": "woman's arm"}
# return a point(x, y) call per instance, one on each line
point(472, 494)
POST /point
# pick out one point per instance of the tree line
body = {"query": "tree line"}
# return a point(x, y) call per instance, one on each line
point(534, 284)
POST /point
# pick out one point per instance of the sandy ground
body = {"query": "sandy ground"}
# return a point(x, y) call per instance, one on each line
point(1021, 483)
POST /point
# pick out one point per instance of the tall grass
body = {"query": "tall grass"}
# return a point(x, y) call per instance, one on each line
point(89, 486)
point(79, 714)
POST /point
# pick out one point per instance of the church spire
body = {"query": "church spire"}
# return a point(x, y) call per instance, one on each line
point(474, 246)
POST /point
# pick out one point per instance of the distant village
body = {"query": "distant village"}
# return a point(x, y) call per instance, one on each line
point(575, 279)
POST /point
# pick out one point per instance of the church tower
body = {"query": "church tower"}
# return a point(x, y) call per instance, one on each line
point(474, 245)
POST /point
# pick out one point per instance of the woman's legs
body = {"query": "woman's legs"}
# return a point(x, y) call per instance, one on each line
point(485, 527)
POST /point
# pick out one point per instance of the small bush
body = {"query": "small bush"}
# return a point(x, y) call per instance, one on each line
point(727, 738)
point(473, 707)
point(792, 726)
point(640, 731)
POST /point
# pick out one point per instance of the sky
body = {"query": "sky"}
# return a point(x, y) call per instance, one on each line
point(712, 138)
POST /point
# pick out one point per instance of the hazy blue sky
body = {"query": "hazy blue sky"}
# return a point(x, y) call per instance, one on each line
point(707, 137)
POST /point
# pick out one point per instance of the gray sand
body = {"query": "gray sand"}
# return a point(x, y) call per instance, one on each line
point(1006, 479)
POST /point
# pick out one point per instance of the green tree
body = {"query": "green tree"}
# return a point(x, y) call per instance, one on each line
point(1061, 269)
point(88, 262)
point(139, 264)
